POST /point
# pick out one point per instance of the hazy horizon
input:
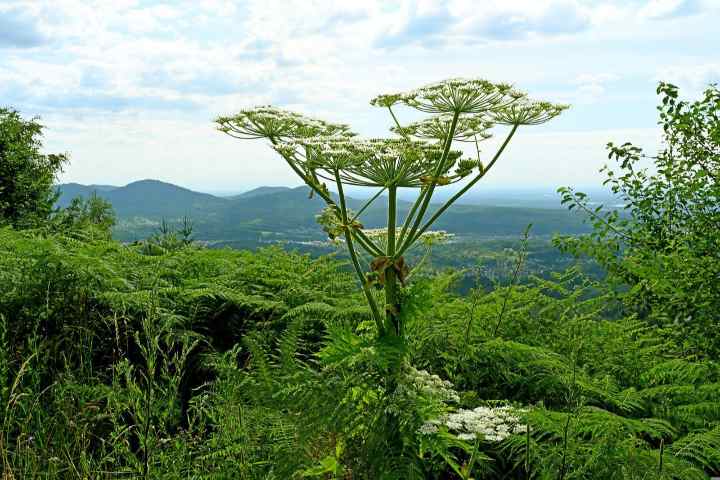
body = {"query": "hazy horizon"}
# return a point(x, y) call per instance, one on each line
point(527, 197)
point(491, 189)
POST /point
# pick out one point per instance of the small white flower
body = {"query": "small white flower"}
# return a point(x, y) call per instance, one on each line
point(432, 385)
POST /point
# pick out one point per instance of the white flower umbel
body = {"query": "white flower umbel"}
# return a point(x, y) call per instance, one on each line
point(432, 385)
point(527, 113)
point(275, 123)
point(374, 162)
point(492, 424)
point(456, 95)
point(467, 129)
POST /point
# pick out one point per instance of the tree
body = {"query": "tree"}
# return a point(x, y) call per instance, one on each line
point(421, 156)
point(27, 176)
point(93, 214)
point(663, 246)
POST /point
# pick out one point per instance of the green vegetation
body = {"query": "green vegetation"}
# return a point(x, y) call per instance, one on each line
point(26, 175)
point(165, 359)
point(668, 251)
point(91, 215)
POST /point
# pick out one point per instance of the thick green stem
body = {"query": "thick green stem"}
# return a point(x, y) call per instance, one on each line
point(392, 306)
point(400, 130)
point(438, 171)
point(367, 244)
point(459, 194)
point(353, 257)
point(411, 216)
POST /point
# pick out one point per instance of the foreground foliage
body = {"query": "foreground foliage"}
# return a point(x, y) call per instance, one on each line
point(192, 363)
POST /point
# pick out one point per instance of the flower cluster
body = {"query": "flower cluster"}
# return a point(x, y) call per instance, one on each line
point(486, 423)
point(428, 238)
point(275, 123)
point(467, 129)
point(527, 113)
point(456, 95)
point(466, 110)
point(370, 162)
point(432, 385)
point(435, 237)
point(476, 104)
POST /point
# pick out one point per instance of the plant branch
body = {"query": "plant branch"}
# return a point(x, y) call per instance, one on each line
point(461, 192)
point(367, 244)
point(426, 200)
point(516, 274)
point(364, 241)
point(411, 215)
point(580, 204)
point(400, 130)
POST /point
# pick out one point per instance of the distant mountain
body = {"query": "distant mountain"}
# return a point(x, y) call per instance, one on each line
point(255, 192)
point(68, 191)
point(151, 199)
point(268, 214)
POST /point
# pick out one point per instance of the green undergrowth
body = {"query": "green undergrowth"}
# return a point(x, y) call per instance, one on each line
point(179, 362)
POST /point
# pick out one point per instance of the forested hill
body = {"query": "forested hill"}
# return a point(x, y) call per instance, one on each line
point(271, 213)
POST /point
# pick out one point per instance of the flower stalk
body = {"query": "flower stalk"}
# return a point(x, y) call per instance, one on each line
point(353, 257)
point(392, 306)
point(463, 190)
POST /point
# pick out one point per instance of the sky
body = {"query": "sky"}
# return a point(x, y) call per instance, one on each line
point(129, 88)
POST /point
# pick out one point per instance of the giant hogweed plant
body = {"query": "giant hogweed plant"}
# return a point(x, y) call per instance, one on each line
point(421, 155)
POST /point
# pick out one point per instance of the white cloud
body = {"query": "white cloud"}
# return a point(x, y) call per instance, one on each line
point(565, 157)
point(116, 80)
point(691, 79)
point(658, 9)
point(523, 19)
point(591, 87)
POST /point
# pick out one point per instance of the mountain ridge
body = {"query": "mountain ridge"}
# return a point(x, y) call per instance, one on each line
point(267, 214)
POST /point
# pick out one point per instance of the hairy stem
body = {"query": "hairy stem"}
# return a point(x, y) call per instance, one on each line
point(367, 244)
point(367, 204)
point(411, 215)
point(400, 131)
point(353, 257)
point(391, 286)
